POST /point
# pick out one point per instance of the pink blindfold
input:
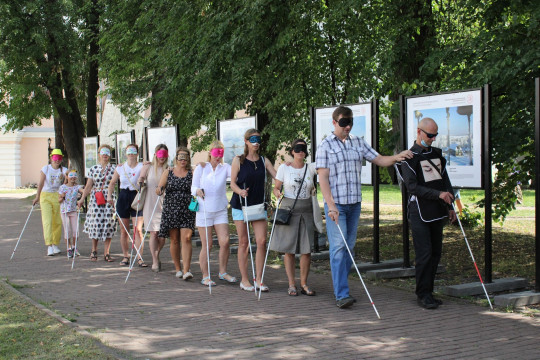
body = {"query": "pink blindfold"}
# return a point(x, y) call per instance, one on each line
point(162, 153)
point(56, 157)
point(217, 153)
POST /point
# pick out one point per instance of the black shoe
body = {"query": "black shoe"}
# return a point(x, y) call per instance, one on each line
point(437, 301)
point(345, 302)
point(427, 302)
point(353, 299)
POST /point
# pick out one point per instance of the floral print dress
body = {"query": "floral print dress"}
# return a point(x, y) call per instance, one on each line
point(176, 214)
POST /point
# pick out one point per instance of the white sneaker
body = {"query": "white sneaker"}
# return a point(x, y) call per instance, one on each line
point(50, 251)
point(187, 276)
point(55, 248)
point(179, 274)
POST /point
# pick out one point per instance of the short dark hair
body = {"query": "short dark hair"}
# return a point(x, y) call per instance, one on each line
point(341, 110)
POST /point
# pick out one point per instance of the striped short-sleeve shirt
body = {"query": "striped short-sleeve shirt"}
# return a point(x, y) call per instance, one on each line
point(344, 160)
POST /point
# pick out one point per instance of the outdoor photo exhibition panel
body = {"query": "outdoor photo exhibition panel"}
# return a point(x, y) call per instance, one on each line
point(91, 145)
point(123, 140)
point(361, 128)
point(459, 117)
point(231, 134)
point(162, 135)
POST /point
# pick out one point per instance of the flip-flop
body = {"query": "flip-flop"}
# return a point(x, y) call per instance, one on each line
point(125, 261)
point(292, 291)
point(307, 291)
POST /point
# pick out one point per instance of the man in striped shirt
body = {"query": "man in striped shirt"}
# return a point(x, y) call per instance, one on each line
point(339, 165)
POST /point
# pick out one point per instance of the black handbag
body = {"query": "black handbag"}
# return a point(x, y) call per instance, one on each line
point(283, 216)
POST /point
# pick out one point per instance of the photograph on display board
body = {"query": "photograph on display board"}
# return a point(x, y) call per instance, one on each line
point(361, 128)
point(91, 145)
point(122, 141)
point(458, 116)
point(164, 135)
point(231, 134)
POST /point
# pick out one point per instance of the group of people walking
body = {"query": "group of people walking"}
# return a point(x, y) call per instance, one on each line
point(171, 191)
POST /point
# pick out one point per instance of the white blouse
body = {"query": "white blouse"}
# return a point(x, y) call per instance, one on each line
point(129, 176)
point(214, 183)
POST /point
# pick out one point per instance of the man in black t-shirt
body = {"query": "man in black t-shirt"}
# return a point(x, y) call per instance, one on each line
point(429, 207)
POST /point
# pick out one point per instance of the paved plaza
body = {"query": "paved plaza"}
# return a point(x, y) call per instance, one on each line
point(157, 316)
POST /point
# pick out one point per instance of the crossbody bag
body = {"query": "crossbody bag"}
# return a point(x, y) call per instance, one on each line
point(283, 216)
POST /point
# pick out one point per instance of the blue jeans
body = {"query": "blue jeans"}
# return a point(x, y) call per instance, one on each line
point(340, 260)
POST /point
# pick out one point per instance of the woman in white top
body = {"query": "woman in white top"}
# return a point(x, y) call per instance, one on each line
point(210, 186)
point(51, 177)
point(128, 174)
point(151, 174)
point(297, 237)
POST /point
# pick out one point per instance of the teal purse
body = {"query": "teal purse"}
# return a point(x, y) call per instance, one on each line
point(193, 205)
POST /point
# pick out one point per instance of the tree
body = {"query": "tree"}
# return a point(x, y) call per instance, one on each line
point(40, 69)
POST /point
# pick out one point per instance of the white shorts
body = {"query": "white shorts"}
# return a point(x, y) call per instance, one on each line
point(212, 218)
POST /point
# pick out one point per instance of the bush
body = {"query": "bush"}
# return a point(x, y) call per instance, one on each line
point(470, 218)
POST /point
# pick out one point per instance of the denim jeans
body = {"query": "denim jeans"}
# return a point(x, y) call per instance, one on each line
point(340, 260)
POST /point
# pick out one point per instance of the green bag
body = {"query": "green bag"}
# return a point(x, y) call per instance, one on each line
point(193, 205)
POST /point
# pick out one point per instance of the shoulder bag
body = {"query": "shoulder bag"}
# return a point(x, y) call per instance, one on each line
point(138, 202)
point(100, 198)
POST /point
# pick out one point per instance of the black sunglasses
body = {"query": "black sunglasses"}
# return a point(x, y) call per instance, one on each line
point(344, 122)
point(431, 136)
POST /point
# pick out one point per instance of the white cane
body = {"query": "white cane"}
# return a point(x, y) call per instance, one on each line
point(358, 271)
point(472, 257)
point(207, 247)
point(124, 226)
point(268, 248)
point(249, 242)
point(142, 241)
point(17, 244)
point(76, 238)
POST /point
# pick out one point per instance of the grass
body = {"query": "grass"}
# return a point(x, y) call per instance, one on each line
point(18, 191)
point(29, 333)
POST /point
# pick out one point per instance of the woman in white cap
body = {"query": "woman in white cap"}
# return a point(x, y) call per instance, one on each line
point(128, 174)
point(100, 222)
point(51, 177)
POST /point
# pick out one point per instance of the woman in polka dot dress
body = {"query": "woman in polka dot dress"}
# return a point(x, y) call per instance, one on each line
point(100, 224)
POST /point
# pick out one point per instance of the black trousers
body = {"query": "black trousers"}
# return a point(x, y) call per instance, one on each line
point(427, 237)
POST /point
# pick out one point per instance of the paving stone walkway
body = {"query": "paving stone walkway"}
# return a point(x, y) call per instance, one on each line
point(157, 316)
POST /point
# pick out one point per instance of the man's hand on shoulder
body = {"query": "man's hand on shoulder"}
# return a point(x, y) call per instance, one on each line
point(404, 155)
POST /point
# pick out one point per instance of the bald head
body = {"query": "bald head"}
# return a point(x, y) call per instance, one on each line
point(426, 132)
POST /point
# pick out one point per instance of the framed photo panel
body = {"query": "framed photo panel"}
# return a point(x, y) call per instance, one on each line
point(322, 127)
point(123, 140)
point(91, 145)
point(459, 117)
point(231, 134)
point(161, 135)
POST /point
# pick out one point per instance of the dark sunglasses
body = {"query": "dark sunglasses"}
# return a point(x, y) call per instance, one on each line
point(431, 136)
point(344, 122)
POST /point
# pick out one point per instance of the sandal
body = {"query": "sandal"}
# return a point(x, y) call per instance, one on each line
point(93, 256)
point(228, 278)
point(124, 262)
point(108, 258)
point(142, 263)
point(307, 291)
point(292, 291)
point(207, 282)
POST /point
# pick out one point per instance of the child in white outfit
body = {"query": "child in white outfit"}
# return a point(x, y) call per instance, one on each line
point(68, 210)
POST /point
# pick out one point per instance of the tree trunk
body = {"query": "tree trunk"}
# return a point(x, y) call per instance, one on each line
point(93, 66)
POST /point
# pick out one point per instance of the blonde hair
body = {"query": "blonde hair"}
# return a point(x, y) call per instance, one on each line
point(216, 144)
point(247, 135)
point(154, 160)
point(186, 150)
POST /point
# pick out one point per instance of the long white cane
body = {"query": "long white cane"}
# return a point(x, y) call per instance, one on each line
point(249, 242)
point(76, 238)
point(472, 257)
point(124, 226)
point(142, 240)
point(207, 246)
point(358, 271)
point(17, 244)
point(268, 247)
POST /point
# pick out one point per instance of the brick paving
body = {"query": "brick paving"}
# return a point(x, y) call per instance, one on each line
point(156, 316)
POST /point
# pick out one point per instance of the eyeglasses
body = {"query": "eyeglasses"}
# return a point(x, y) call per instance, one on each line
point(429, 135)
point(344, 122)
